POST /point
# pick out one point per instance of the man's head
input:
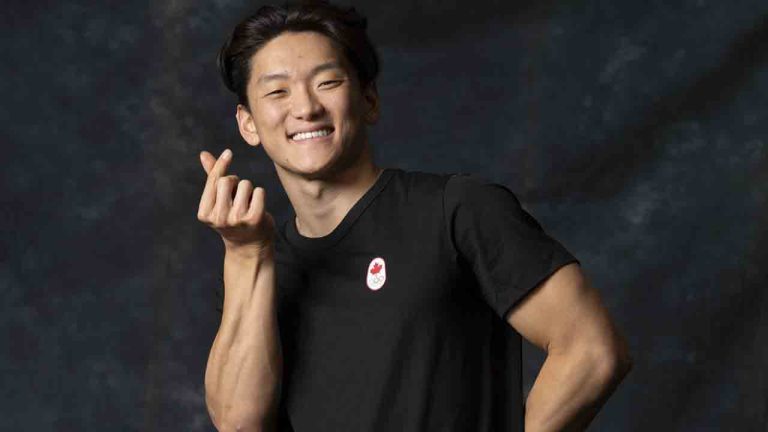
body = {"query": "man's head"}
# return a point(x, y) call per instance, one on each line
point(303, 67)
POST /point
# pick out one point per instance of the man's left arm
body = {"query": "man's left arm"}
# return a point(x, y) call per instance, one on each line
point(586, 355)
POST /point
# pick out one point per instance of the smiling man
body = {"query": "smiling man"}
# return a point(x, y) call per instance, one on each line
point(391, 300)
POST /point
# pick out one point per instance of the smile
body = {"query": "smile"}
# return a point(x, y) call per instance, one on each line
point(312, 136)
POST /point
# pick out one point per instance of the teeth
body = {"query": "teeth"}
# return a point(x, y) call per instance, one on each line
point(308, 135)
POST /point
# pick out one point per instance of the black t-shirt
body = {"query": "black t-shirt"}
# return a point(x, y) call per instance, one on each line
point(395, 321)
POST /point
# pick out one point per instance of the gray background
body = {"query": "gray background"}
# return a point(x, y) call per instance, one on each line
point(634, 131)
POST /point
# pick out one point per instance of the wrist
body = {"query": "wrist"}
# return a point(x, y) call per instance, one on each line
point(249, 250)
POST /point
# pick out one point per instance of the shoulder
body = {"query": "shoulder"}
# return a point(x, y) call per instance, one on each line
point(477, 190)
point(451, 183)
point(419, 179)
point(454, 191)
point(416, 186)
point(464, 180)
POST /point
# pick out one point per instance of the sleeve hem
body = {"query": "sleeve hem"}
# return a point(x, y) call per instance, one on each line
point(531, 286)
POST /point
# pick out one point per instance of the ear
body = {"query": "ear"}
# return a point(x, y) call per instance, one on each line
point(247, 125)
point(371, 96)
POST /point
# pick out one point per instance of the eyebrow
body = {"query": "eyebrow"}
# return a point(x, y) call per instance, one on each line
point(315, 70)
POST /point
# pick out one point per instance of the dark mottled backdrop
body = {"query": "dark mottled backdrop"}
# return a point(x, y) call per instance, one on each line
point(634, 131)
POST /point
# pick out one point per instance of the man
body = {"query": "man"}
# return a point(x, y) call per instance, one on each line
point(392, 300)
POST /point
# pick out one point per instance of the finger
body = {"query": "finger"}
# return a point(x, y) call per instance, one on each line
point(257, 204)
point(240, 203)
point(220, 167)
point(207, 160)
point(208, 198)
point(223, 198)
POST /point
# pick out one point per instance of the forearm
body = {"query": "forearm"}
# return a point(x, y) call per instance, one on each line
point(243, 375)
point(570, 389)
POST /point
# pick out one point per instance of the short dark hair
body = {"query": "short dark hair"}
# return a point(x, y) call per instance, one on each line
point(343, 25)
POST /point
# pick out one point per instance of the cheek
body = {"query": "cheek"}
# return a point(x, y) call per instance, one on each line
point(347, 108)
point(272, 117)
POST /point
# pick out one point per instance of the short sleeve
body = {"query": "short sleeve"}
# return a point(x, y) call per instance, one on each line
point(508, 250)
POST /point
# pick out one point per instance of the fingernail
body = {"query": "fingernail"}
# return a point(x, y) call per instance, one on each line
point(227, 153)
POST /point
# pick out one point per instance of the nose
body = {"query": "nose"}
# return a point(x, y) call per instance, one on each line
point(305, 105)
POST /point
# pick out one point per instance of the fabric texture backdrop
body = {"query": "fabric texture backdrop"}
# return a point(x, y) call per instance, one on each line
point(634, 131)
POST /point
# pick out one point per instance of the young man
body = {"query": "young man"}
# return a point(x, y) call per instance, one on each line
point(392, 300)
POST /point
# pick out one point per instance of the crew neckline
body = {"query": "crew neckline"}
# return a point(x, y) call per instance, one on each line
point(315, 243)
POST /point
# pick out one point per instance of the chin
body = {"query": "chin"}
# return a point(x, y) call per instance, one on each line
point(320, 164)
point(314, 169)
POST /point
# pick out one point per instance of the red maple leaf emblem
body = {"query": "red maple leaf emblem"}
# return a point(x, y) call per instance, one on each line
point(376, 268)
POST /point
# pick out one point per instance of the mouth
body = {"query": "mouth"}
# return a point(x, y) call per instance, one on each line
point(312, 136)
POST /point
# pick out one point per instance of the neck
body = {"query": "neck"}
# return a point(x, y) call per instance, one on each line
point(321, 203)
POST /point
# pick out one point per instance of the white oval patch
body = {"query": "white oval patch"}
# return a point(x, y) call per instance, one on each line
point(377, 273)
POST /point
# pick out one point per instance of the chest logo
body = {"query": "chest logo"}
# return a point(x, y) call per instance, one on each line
point(377, 273)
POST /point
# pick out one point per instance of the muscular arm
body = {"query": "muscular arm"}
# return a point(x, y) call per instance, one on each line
point(243, 375)
point(586, 356)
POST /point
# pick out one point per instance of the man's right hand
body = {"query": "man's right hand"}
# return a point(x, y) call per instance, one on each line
point(243, 222)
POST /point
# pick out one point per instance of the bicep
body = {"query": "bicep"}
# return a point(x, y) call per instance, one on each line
point(563, 311)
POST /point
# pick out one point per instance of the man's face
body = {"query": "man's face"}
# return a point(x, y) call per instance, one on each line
point(301, 81)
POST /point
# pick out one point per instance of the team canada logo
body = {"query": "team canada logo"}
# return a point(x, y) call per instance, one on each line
point(377, 273)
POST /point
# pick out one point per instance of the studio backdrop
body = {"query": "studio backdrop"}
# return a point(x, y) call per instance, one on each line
point(634, 131)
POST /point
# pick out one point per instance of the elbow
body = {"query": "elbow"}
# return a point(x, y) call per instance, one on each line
point(233, 421)
point(620, 366)
point(234, 427)
point(246, 422)
point(240, 424)
point(626, 364)
point(622, 359)
point(614, 365)
point(616, 358)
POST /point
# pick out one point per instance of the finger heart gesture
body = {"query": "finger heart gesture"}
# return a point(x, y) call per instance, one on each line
point(242, 221)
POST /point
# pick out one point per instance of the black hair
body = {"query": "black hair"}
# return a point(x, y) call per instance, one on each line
point(345, 26)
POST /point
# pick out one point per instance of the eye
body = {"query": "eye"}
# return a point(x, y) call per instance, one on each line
point(275, 92)
point(331, 82)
